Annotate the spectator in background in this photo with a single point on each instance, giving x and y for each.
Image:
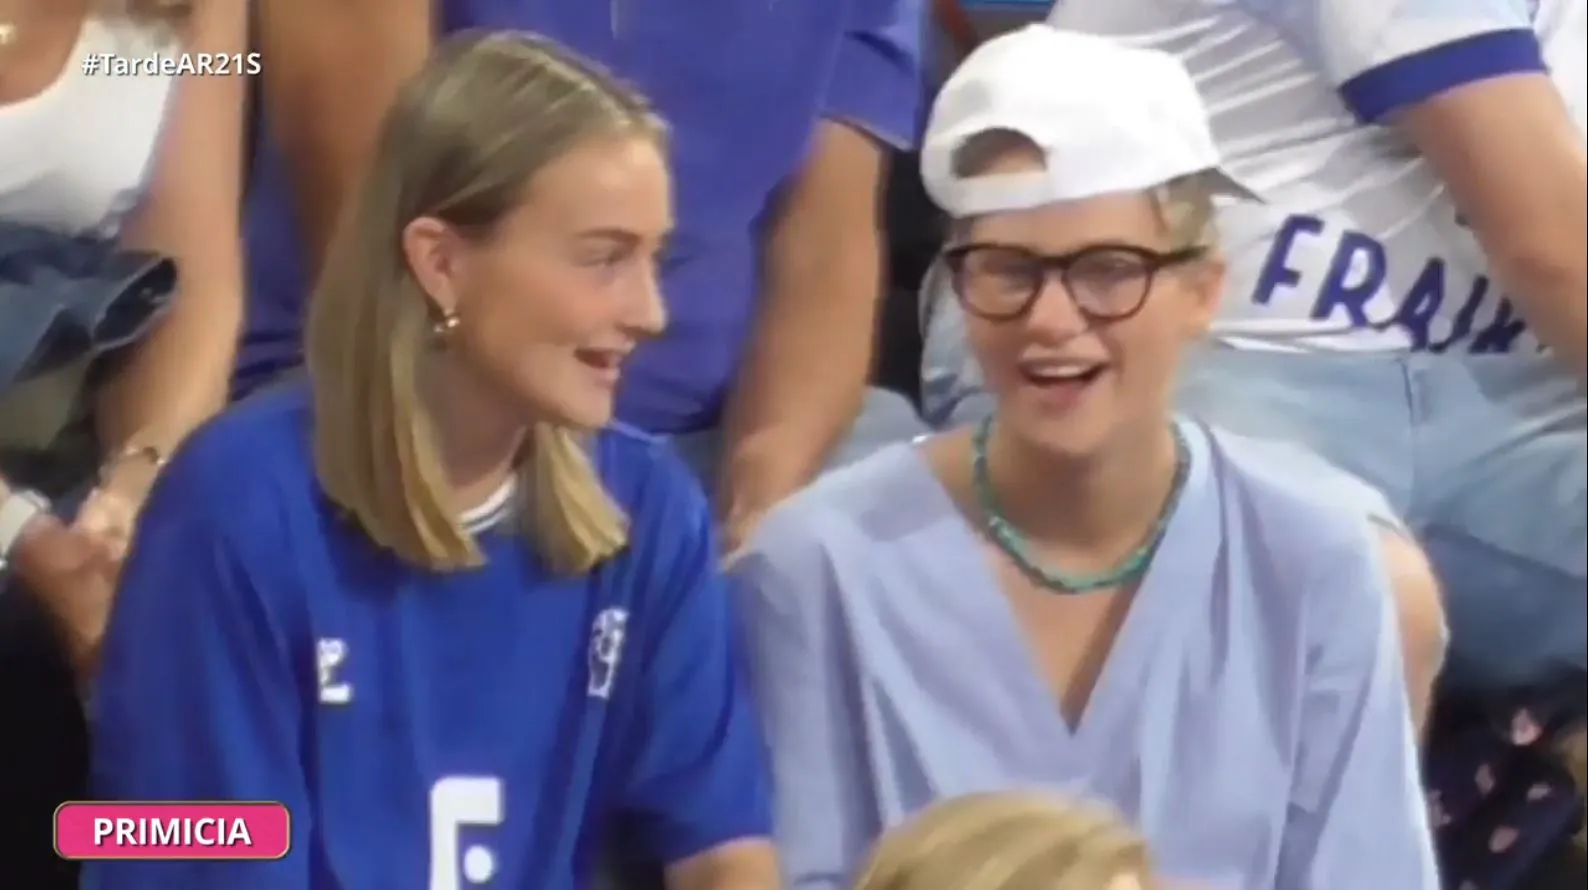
(1422, 241)
(783, 115)
(151, 161)
(1009, 842)
(1207, 631)
(493, 271)
(1410, 305)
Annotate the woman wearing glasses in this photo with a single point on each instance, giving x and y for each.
(1085, 593)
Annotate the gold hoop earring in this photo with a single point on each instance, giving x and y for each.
(443, 327)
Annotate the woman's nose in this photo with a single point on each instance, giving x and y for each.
(1054, 311)
(646, 314)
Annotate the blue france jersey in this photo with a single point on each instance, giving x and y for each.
(477, 729)
(1359, 245)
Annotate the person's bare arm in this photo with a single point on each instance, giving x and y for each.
(1420, 612)
(1466, 83)
(804, 375)
(332, 68)
(1515, 163)
(806, 368)
(180, 375)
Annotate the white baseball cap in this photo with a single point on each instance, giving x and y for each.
(1108, 118)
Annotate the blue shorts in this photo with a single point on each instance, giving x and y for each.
(1482, 456)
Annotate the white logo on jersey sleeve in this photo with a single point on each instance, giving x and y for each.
(329, 656)
(606, 650)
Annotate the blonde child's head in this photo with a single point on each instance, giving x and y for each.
(1009, 841)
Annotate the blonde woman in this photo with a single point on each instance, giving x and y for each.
(426, 599)
(784, 116)
(1212, 634)
(1008, 841)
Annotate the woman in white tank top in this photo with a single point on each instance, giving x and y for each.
(96, 139)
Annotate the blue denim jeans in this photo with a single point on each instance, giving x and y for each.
(1483, 456)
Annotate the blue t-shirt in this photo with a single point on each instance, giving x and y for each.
(743, 84)
(482, 728)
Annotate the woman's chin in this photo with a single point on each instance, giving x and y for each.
(580, 411)
(590, 414)
(1068, 438)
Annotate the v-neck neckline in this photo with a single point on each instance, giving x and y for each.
(1141, 643)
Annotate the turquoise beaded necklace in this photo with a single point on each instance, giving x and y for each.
(1013, 543)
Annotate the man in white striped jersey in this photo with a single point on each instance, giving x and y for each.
(1411, 300)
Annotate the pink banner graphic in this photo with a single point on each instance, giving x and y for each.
(172, 830)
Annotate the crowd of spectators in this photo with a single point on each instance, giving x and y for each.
(553, 444)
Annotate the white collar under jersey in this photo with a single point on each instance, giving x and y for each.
(1359, 246)
(494, 509)
(78, 156)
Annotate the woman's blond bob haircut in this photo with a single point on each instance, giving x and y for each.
(461, 144)
(1006, 841)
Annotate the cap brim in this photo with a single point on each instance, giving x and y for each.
(1222, 183)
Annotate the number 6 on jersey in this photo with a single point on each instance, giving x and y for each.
(455, 803)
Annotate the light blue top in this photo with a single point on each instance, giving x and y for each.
(1252, 718)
